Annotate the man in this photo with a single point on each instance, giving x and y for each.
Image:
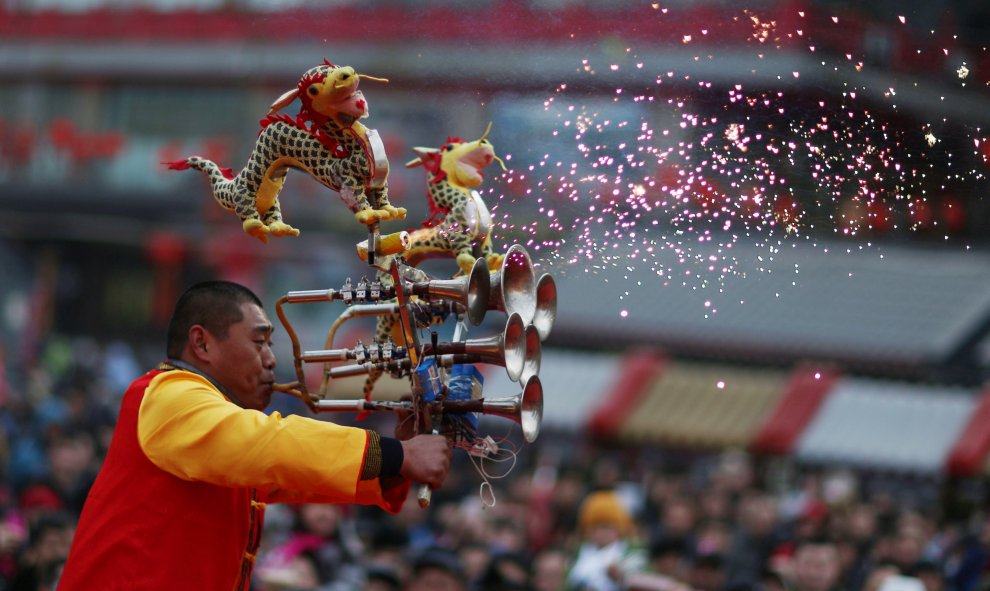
(816, 566)
(609, 550)
(179, 502)
(437, 569)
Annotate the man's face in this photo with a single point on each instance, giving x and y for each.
(244, 362)
(816, 567)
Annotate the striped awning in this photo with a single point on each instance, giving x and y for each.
(887, 425)
(688, 404)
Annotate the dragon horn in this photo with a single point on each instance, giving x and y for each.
(482, 138)
(367, 77)
(487, 131)
(283, 101)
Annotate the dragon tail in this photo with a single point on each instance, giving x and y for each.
(222, 179)
(208, 166)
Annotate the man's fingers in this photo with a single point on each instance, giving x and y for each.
(427, 459)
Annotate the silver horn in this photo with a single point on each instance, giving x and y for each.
(507, 349)
(525, 408)
(471, 291)
(546, 305)
(513, 286)
(531, 367)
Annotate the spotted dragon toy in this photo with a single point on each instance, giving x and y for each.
(464, 229)
(465, 225)
(325, 140)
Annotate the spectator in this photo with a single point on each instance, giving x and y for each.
(549, 570)
(382, 578)
(670, 557)
(475, 556)
(707, 573)
(437, 569)
(815, 566)
(48, 546)
(609, 550)
(753, 539)
(678, 520)
(507, 571)
(930, 575)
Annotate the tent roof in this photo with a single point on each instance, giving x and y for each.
(878, 424)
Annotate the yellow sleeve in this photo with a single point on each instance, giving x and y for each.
(189, 429)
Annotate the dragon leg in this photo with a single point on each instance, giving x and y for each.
(379, 201)
(230, 192)
(266, 200)
(494, 259)
(462, 244)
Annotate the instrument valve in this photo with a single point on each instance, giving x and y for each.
(361, 293)
(360, 352)
(375, 291)
(347, 292)
(388, 349)
(374, 352)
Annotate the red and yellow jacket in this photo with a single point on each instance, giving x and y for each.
(179, 502)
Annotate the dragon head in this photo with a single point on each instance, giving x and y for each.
(328, 92)
(459, 162)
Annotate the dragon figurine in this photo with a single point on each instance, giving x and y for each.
(325, 140)
(464, 230)
(460, 224)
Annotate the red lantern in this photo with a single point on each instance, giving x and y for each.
(167, 252)
(878, 217)
(952, 213)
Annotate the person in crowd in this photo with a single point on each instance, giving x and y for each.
(506, 571)
(44, 557)
(609, 550)
(549, 570)
(707, 572)
(669, 557)
(930, 575)
(179, 501)
(437, 569)
(754, 537)
(382, 578)
(816, 566)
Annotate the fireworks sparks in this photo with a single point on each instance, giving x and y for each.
(666, 176)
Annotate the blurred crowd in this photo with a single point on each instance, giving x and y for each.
(568, 514)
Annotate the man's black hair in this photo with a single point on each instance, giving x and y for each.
(214, 305)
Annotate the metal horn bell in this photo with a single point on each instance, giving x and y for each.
(531, 365)
(507, 349)
(546, 305)
(471, 291)
(525, 408)
(513, 285)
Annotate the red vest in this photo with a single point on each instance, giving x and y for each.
(143, 528)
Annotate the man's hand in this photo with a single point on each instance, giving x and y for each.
(426, 459)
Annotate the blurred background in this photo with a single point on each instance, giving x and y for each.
(767, 221)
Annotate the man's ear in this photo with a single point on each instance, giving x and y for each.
(198, 344)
